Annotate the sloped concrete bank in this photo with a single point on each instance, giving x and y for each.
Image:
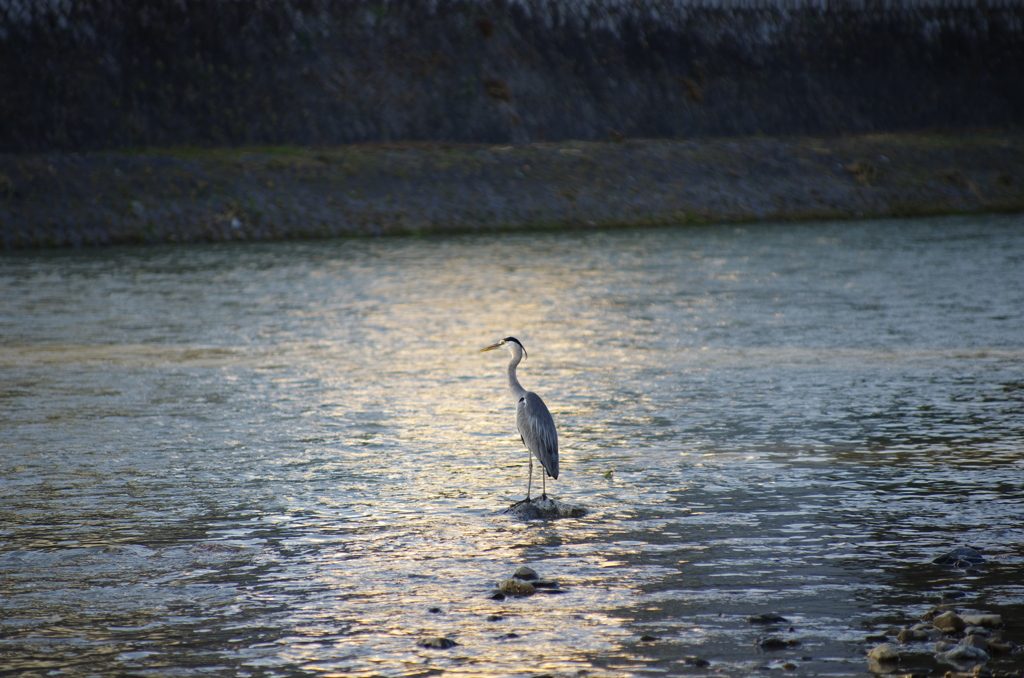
(193, 195)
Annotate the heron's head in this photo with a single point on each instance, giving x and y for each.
(507, 343)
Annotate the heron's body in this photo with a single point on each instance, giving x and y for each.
(534, 421)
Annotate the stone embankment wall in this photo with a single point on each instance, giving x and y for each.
(98, 74)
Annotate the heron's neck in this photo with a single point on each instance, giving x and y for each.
(513, 382)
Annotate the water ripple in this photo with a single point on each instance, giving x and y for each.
(284, 460)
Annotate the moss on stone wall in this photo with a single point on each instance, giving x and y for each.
(197, 195)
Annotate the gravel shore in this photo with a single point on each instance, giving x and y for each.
(207, 195)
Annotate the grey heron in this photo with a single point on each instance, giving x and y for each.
(536, 427)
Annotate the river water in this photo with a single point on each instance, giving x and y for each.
(289, 459)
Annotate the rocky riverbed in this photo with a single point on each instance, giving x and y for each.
(207, 195)
(951, 639)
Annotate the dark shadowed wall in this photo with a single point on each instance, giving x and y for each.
(104, 74)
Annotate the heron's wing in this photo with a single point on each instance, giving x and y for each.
(538, 431)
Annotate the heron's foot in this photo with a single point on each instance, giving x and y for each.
(520, 503)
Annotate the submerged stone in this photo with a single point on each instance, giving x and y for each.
(963, 556)
(544, 508)
(440, 643)
(963, 654)
(997, 647)
(767, 618)
(774, 643)
(977, 642)
(551, 591)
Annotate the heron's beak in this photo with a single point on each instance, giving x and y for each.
(491, 347)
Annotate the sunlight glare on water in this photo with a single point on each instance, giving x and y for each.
(288, 459)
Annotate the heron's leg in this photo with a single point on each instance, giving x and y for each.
(543, 486)
(529, 480)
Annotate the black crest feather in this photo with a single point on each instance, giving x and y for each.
(525, 354)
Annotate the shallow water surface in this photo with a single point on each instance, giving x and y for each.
(288, 459)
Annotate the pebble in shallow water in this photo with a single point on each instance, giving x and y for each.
(524, 582)
(882, 659)
(977, 639)
(912, 635)
(525, 573)
(988, 621)
(949, 622)
(883, 653)
(517, 588)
